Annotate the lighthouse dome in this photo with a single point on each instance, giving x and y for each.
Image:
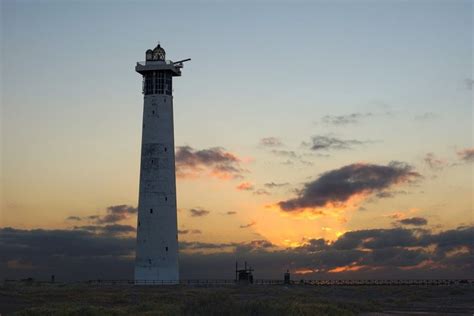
(158, 53)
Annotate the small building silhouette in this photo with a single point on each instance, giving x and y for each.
(286, 279)
(245, 275)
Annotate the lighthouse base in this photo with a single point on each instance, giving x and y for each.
(156, 276)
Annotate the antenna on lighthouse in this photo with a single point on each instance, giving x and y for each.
(179, 63)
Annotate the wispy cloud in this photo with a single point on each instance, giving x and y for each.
(248, 225)
(291, 156)
(388, 194)
(285, 153)
(261, 192)
(434, 163)
(114, 213)
(198, 212)
(327, 143)
(189, 231)
(73, 218)
(273, 185)
(110, 230)
(271, 142)
(245, 186)
(340, 120)
(415, 221)
(466, 155)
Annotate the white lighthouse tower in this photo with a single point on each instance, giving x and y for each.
(157, 232)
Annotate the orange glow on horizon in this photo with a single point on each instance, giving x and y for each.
(304, 271)
(348, 268)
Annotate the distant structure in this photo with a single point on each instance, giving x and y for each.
(286, 277)
(157, 229)
(243, 276)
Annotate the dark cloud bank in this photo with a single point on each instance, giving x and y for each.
(81, 254)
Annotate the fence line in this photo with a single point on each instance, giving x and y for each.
(295, 282)
(230, 282)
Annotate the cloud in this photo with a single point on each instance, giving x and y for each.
(245, 186)
(114, 229)
(314, 245)
(373, 253)
(273, 185)
(433, 162)
(454, 238)
(387, 194)
(231, 213)
(467, 155)
(237, 247)
(58, 242)
(291, 156)
(285, 153)
(69, 254)
(415, 221)
(377, 239)
(332, 143)
(189, 231)
(270, 142)
(197, 212)
(73, 218)
(261, 192)
(116, 213)
(400, 214)
(337, 186)
(254, 246)
(340, 120)
(248, 225)
(214, 162)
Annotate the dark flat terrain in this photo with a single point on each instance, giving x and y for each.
(81, 299)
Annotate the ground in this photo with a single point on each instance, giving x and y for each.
(83, 299)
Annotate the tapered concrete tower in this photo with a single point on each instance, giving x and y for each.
(157, 231)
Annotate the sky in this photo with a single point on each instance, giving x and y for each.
(332, 138)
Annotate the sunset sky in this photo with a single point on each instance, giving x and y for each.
(328, 137)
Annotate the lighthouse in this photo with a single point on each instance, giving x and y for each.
(156, 258)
